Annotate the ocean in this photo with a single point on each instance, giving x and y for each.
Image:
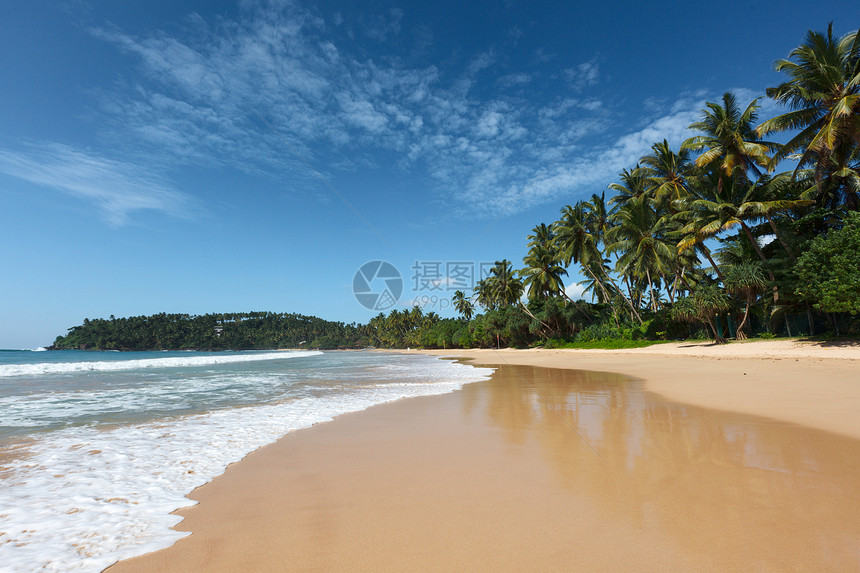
(98, 448)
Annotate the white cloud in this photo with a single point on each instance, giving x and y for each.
(575, 291)
(116, 188)
(583, 75)
(247, 93)
(511, 80)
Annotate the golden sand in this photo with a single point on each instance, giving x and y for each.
(555, 470)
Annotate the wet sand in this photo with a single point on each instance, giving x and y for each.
(539, 469)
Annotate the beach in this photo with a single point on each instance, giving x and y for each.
(682, 457)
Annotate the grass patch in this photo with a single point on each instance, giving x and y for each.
(606, 344)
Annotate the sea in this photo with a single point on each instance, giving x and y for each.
(98, 448)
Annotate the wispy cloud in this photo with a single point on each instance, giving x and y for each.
(583, 75)
(200, 99)
(116, 188)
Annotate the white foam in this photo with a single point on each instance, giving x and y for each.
(85, 498)
(41, 368)
(46, 408)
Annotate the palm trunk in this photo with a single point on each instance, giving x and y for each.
(605, 292)
(740, 334)
(669, 291)
(528, 312)
(629, 301)
(763, 259)
(717, 338)
(707, 253)
(809, 320)
(683, 279)
(576, 306)
(651, 290)
(778, 236)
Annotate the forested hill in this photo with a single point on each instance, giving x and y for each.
(209, 332)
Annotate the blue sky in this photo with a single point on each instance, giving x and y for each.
(222, 157)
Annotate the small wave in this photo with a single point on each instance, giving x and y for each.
(85, 497)
(136, 364)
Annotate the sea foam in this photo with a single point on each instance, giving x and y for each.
(86, 497)
(40, 368)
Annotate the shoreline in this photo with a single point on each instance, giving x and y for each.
(460, 479)
(820, 389)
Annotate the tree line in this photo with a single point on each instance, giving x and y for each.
(234, 331)
(709, 239)
(711, 233)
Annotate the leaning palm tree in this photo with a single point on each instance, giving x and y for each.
(728, 143)
(772, 196)
(839, 185)
(823, 92)
(713, 213)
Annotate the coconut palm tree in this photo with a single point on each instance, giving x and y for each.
(576, 242)
(667, 172)
(506, 288)
(639, 235)
(823, 92)
(713, 212)
(728, 143)
(541, 235)
(632, 184)
(463, 304)
(542, 273)
(484, 293)
(771, 196)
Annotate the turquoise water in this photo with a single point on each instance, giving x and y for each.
(97, 448)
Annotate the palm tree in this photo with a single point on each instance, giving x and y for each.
(506, 288)
(542, 235)
(745, 279)
(839, 184)
(667, 172)
(484, 293)
(633, 184)
(463, 304)
(713, 213)
(731, 145)
(771, 196)
(576, 242)
(639, 235)
(542, 273)
(705, 302)
(823, 93)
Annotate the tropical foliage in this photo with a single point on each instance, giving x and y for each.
(707, 239)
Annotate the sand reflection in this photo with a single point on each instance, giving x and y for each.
(746, 490)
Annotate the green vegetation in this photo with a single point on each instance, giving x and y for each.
(787, 259)
(829, 272)
(237, 331)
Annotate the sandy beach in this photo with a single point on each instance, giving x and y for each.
(675, 457)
